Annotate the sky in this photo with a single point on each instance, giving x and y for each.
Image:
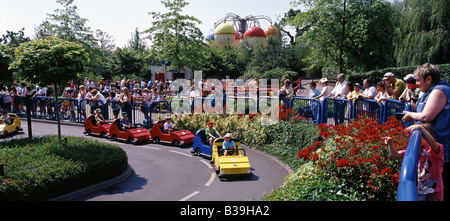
(120, 18)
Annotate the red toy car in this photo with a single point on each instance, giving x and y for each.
(90, 127)
(133, 135)
(177, 138)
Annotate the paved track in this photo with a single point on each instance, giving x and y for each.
(166, 173)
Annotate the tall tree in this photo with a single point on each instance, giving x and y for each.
(176, 37)
(340, 31)
(426, 32)
(66, 24)
(136, 43)
(50, 61)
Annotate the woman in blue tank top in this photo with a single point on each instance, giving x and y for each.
(434, 107)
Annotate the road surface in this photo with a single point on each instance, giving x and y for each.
(166, 173)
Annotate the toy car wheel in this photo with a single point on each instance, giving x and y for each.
(176, 143)
(17, 129)
(102, 134)
(89, 132)
(130, 140)
(156, 140)
(114, 137)
(5, 133)
(197, 152)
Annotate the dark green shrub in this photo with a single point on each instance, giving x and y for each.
(376, 75)
(44, 168)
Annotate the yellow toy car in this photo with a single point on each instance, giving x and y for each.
(14, 127)
(230, 165)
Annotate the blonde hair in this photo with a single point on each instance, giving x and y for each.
(429, 70)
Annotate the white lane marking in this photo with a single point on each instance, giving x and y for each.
(190, 196)
(173, 151)
(207, 164)
(152, 148)
(213, 176)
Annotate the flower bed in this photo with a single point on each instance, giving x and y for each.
(353, 158)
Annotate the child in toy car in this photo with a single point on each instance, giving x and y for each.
(228, 145)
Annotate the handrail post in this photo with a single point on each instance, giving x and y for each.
(407, 189)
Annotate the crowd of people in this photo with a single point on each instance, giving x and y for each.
(89, 92)
(429, 97)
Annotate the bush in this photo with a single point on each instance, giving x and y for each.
(376, 75)
(282, 140)
(44, 168)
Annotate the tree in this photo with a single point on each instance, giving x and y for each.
(346, 34)
(425, 32)
(66, 24)
(176, 37)
(50, 61)
(14, 39)
(136, 43)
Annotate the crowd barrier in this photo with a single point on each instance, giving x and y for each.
(407, 189)
(329, 111)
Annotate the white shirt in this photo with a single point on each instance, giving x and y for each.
(340, 88)
(168, 126)
(371, 91)
(194, 93)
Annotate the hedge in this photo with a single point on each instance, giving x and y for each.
(376, 75)
(43, 168)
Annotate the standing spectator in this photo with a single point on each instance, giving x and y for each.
(90, 83)
(394, 86)
(126, 99)
(159, 86)
(412, 91)
(434, 107)
(286, 93)
(370, 91)
(314, 92)
(89, 96)
(325, 90)
(355, 93)
(382, 95)
(107, 88)
(340, 90)
(167, 87)
(114, 101)
(81, 100)
(98, 98)
(7, 100)
(42, 92)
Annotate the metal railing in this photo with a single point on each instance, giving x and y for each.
(407, 189)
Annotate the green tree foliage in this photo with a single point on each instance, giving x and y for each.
(346, 34)
(66, 24)
(175, 37)
(425, 32)
(50, 61)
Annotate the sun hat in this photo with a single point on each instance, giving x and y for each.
(410, 79)
(228, 135)
(323, 80)
(210, 123)
(389, 74)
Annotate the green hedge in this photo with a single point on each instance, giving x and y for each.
(376, 75)
(44, 168)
